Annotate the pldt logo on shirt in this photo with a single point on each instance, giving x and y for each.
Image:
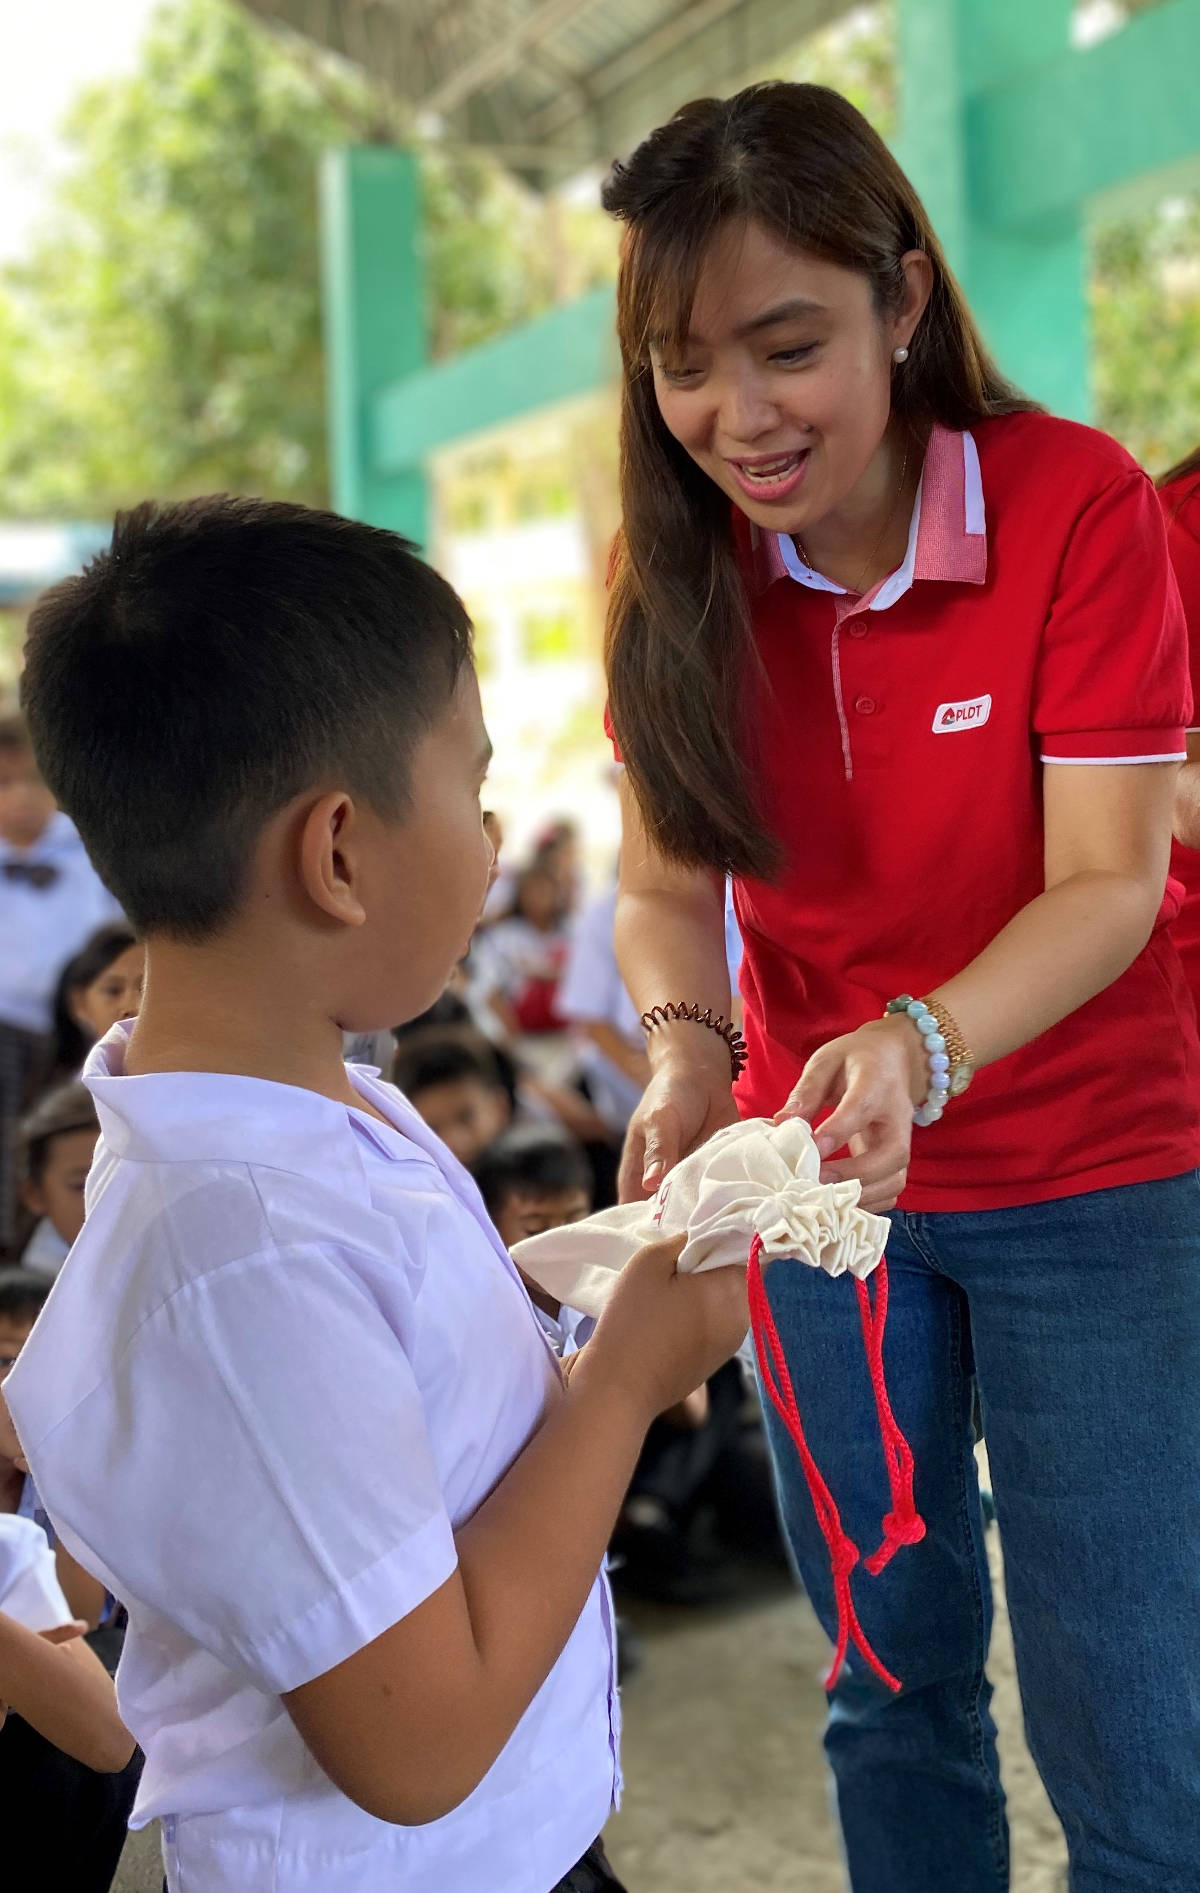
(969, 715)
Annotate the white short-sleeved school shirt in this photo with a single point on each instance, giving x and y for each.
(30, 1592)
(287, 1357)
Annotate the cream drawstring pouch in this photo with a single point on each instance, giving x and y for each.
(751, 1179)
(749, 1195)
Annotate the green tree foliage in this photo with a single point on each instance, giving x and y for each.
(164, 336)
(856, 55)
(1145, 309)
(1146, 330)
(166, 325)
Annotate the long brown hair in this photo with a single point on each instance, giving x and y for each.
(800, 161)
(1189, 464)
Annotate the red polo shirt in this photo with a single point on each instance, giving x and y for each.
(1181, 510)
(903, 737)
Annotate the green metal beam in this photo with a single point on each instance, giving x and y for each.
(571, 351)
(374, 324)
(1027, 287)
(1084, 123)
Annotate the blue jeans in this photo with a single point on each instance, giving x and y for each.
(1081, 1320)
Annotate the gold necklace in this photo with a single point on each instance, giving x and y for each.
(886, 528)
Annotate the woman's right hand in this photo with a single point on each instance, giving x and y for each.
(688, 1098)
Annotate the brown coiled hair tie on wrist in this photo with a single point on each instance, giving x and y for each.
(723, 1027)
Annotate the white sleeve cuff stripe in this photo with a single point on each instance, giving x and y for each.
(1093, 762)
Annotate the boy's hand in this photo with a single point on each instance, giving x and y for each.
(662, 1333)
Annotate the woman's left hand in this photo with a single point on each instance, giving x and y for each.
(869, 1081)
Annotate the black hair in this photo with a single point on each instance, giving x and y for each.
(534, 1159)
(68, 1108)
(447, 1009)
(23, 1293)
(443, 1056)
(450, 1010)
(221, 657)
(70, 1044)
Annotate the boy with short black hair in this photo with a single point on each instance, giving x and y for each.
(290, 1399)
(451, 1075)
(533, 1178)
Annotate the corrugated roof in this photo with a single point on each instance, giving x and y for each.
(553, 85)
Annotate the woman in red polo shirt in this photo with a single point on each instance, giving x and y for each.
(902, 654)
(1179, 493)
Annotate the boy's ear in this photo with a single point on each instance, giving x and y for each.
(329, 858)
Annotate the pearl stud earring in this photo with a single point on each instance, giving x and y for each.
(899, 354)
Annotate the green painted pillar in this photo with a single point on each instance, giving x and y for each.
(1026, 283)
(375, 325)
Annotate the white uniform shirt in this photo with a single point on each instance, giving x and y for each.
(45, 1252)
(43, 927)
(30, 1592)
(288, 1357)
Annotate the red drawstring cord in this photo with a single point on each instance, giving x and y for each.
(903, 1525)
(843, 1553)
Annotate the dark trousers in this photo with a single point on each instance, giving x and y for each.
(75, 1820)
(592, 1874)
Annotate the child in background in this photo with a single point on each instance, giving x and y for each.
(67, 1761)
(533, 1178)
(468, 1090)
(51, 899)
(290, 1397)
(451, 1077)
(68, 1698)
(517, 964)
(54, 1154)
(22, 1298)
(557, 850)
(64, 1723)
(99, 985)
